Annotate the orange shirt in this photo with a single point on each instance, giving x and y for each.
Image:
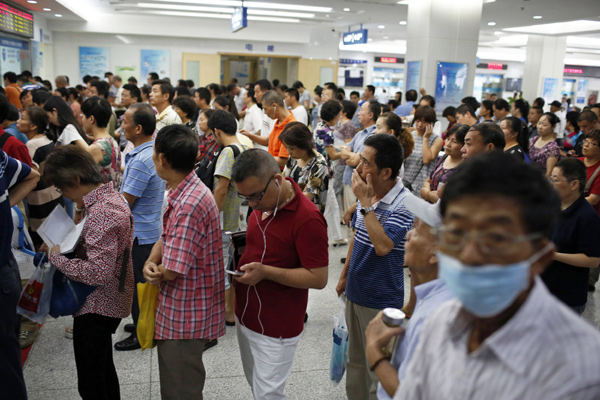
(13, 91)
(276, 147)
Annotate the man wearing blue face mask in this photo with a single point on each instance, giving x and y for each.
(505, 336)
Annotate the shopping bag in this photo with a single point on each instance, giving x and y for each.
(34, 302)
(147, 296)
(339, 350)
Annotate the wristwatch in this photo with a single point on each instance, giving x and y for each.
(365, 211)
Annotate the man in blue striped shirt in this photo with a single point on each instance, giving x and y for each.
(372, 277)
(144, 191)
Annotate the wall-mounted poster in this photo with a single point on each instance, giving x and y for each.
(582, 85)
(450, 84)
(413, 75)
(550, 90)
(15, 55)
(93, 61)
(158, 61)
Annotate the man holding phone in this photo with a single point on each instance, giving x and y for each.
(286, 254)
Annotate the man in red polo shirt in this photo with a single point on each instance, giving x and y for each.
(274, 107)
(286, 254)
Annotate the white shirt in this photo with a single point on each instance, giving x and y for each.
(253, 119)
(239, 99)
(167, 117)
(68, 135)
(561, 126)
(266, 128)
(300, 114)
(545, 351)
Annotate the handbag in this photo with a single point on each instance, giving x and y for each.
(68, 295)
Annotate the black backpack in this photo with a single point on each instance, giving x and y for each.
(205, 169)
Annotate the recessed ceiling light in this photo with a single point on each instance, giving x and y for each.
(46, 9)
(346, 9)
(402, 22)
(327, 16)
(491, 23)
(537, 17)
(32, 1)
(58, 15)
(370, 39)
(381, 26)
(386, 37)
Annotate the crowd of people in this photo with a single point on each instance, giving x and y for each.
(496, 215)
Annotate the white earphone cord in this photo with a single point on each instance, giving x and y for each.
(261, 261)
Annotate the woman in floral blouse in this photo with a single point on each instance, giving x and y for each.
(305, 166)
(97, 261)
(543, 149)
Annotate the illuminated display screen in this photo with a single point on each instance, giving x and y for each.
(15, 21)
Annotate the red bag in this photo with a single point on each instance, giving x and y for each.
(31, 296)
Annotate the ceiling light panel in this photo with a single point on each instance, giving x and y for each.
(228, 10)
(559, 28)
(219, 16)
(254, 4)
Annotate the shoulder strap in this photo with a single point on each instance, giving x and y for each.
(3, 138)
(236, 150)
(588, 184)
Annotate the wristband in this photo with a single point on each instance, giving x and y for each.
(376, 364)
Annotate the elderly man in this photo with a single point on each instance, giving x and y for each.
(372, 276)
(286, 254)
(504, 336)
(430, 294)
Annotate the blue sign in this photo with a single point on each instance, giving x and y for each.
(270, 48)
(239, 19)
(352, 61)
(356, 37)
(450, 83)
(15, 44)
(413, 75)
(249, 47)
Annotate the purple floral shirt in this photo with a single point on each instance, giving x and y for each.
(539, 156)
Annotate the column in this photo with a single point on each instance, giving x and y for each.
(545, 59)
(443, 31)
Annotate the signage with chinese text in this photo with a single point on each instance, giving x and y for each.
(239, 19)
(16, 21)
(356, 37)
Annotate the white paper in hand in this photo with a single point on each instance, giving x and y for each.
(59, 229)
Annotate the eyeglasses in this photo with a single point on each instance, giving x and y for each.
(589, 143)
(256, 197)
(490, 242)
(553, 180)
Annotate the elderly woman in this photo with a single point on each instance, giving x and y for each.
(97, 261)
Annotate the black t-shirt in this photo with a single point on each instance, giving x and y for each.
(516, 151)
(577, 231)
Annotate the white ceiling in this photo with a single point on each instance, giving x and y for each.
(370, 13)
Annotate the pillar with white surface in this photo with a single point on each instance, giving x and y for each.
(443, 31)
(545, 60)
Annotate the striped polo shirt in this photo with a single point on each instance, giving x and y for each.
(378, 281)
(544, 351)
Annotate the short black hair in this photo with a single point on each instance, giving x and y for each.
(393, 103)
(224, 121)
(348, 108)
(23, 94)
(134, 91)
(330, 110)
(574, 170)
(132, 80)
(182, 91)
(488, 104)
(143, 115)
(354, 93)
(293, 93)
(374, 108)
(102, 88)
(264, 84)
(12, 114)
(275, 82)
(371, 88)
(254, 162)
(425, 113)
(179, 145)
(498, 174)
(518, 126)
(573, 118)
(502, 104)
(4, 105)
(588, 116)
(297, 85)
(86, 79)
(165, 88)
(450, 110)
(411, 95)
(490, 133)
(10, 76)
(250, 93)
(215, 87)
(331, 86)
(64, 92)
(430, 99)
(186, 104)
(471, 102)
(537, 109)
(539, 102)
(463, 109)
(388, 153)
(153, 76)
(298, 135)
(203, 94)
(99, 108)
(189, 83)
(40, 96)
(318, 90)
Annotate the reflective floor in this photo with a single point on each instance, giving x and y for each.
(50, 369)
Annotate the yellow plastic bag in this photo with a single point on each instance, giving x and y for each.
(147, 295)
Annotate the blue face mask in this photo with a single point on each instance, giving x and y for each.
(486, 291)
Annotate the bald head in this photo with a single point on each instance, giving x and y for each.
(272, 97)
(61, 81)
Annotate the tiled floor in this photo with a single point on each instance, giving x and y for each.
(50, 369)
